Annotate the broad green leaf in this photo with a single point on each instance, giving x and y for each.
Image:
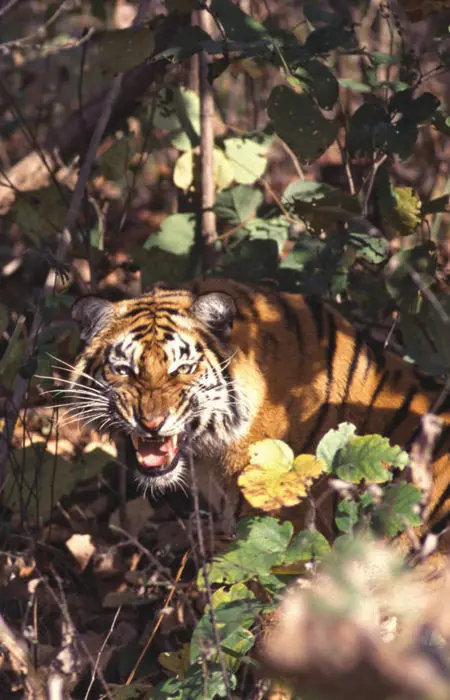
(135, 691)
(326, 39)
(234, 612)
(319, 81)
(300, 123)
(187, 170)
(368, 247)
(37, 479)
(171, 689)
(347, 515)
(427, 335)
(306, 545)
(186, 42)
(367, 129)
(252, 259)
(355, 85)
(311, 200)
(122, 49)
(260, 544)
(177, 235)
(401, 138)
(41, 212)
(434, 206)
(333, 441)
(238, 203)
(177, 112)
(248, 156)
(399, 509)
(206, 686)
(238, 26)
(417, 110)
(368, 457)
(401, 269)
(275, 229)
(114, 162)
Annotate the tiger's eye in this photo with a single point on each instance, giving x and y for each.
(184, 369)
(122, 370)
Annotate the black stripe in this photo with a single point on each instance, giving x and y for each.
(443, 521)
(358, 342)
(292, 319)
(316, 308)
(402, 413)
(378, 388)
(331, 351)
(377, 351)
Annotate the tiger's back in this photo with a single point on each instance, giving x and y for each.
(288, 367)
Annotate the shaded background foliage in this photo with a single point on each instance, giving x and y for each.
(331, 174)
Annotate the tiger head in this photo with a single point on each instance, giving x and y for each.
(158, 368)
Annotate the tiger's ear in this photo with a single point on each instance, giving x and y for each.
(92, 314)
(217, 310)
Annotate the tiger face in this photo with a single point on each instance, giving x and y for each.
(158, 369)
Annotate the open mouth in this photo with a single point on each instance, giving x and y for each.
(156, 456)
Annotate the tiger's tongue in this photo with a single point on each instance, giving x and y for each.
(154, 454)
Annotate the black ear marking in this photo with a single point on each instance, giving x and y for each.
(217, 310)
(92, 314)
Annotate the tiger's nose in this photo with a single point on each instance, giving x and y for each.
(154, 424)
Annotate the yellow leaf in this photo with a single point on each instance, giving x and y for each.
(271, 454)
(309, 467)
(176, 661)
(273, 479)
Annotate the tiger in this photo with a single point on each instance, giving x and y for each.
(196, 375)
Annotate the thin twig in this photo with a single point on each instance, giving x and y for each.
(371, 181)
(102, 649)
(208, 187)
(160, 618)
(201, 546)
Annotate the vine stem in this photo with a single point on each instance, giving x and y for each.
(208, 187)
(20, 384)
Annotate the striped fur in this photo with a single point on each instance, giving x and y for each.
(291, 368)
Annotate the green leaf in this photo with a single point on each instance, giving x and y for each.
(252, 259)
(309, 200)
(177, 112)
(441, 122)
(41, 212)
(238, 203)
(319, 81)
(206, 686)
(238, 26)
(177, 235)
(135, 691)
(371, 248)
(367, 129)
(333, 441)
(355, 85)
(417, 110)
(434, 206)
(399, 509)
(300, 123)
(248, 156)
(347, 516)
(234, 613)
(261, 543)
(366, 457)
(427, 335)
(403, 267)
(171, 689)
(326, 39)
(187, 42)
(122, 49)
(401, 138)
(306, 545)
(38, 479)
(275, 229)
